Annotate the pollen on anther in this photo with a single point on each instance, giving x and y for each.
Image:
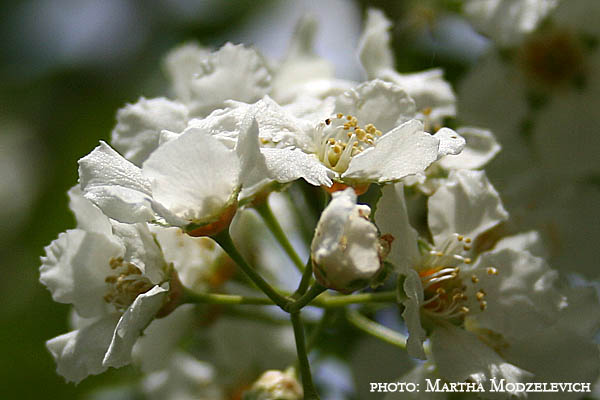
(467, 248)
(492, 271)
(467, 261)
(468, 240)
(340, 115)
(460, 238)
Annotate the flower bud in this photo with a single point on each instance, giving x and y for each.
(346, 249)
(275, 385)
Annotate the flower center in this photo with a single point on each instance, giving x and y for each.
(127, 283)
(340, 138)
(552, 57)
(443, 281)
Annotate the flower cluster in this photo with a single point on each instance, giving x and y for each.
(175, 207)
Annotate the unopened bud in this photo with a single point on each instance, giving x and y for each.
(346, 249)
(275, 385)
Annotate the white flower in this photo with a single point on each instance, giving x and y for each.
(138, 128)
(191, 181)
(346, 250)
(204, 81)
(433, 96)
(507, 21)
(483, 312)
(117, 280)
(365, 135)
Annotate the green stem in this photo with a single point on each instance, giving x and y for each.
(224, 240)
(272, 223)
(306, 278)
(306, 298)
(373, 328)
(318, 330)
(341, 301)
(227, 299)
(310, 393)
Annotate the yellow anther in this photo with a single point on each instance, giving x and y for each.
(427, 111)
(360, 134)
(370, 128)
(337, 149)
(350, 134)
(346, 127)
(468, 240)
(439, 254)
(474, 279)
(264, 141)
(492, 271)
(331, 141)
(349, 117)
(340, 115)
(464, 309)
(480, 295)
(467, 248)
(378, 133)
(468, 261)
(460, 238)
(483, 305)
(370, 137)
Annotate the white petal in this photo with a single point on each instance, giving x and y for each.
(380, 103)
(279, 126)
(115, 185)
(401, 152)
(521, 298)
(301, 66)
(75, 267)
(507, 22)
(141, 250)
(254, 172)
(556, 355)
(89, 217)
(374, 46)
(234, 72)
(80, 353)
(481, 146)
(160, 340)
(391, 217)
(530, 241)
(182, 64)
(136, 134)
(287, 165)
(132, 324)
(193, 176)
(412, 314)
(428, 89)
(466, 204)
(193, 257)
(451, 143)
(460, 355)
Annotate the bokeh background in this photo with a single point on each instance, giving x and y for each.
(68, 65)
